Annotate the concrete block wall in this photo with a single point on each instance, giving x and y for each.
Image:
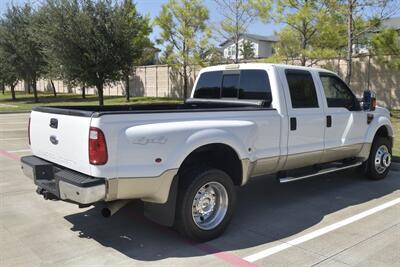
(164, 81)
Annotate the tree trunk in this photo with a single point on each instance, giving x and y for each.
(349, 57)
(53, 87)
(83, 92)
(303, 59)
(12, 87)
(237, 50)
(127, 88)
(100, 91)
(185, 74)
(237, 32)
(3, 87)
(35, 95)
(29, 86)
(185, 81)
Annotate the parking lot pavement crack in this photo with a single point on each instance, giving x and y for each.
(354, 245)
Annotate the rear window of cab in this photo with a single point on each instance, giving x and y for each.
(243, 84)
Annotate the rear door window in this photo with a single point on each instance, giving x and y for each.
(302, 89)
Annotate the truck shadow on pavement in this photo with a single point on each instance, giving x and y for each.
(266, 212)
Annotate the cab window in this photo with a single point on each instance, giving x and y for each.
(230, 83)
(254, 84)
(209, 85)
(244, 84)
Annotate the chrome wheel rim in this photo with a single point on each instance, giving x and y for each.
(210, 205)
(383, 159)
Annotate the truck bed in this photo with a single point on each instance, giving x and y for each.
(188, 106)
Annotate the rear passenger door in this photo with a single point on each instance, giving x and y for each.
(306, 119)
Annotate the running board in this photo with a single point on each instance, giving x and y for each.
(320, 172)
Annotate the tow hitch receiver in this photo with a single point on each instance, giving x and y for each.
(46, 194)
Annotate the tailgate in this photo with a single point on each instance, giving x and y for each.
(61, 139)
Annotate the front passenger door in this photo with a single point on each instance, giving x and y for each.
(344, 135)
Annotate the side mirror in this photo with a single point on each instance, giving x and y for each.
(369, 100)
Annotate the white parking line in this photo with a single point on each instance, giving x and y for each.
(317, 233)
(21, 150)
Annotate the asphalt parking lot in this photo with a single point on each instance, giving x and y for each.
(338, 219)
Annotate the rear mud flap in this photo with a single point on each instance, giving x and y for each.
(163, 214)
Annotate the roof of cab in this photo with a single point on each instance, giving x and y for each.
(260, 65)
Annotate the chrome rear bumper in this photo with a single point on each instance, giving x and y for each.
(62, 183)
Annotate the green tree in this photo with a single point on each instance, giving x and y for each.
(20, 45)
(311, 32)
(184, 32)
(288, 47)
(247, 50)
(386, 45)
(8, 74)
(94, 43)
(210, 55)
(135, 43)
(307, 23)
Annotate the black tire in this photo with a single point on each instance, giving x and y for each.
(369, 166)
(190, 182)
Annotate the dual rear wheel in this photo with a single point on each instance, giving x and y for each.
(205, 205)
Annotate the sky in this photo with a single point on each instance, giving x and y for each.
(153, 7)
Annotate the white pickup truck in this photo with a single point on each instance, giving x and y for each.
(184, 160)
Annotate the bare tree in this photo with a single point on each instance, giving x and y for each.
(362, 16)
(236, 18)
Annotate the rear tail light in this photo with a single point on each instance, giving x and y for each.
(97, 147)
(29, 131)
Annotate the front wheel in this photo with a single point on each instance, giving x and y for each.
(206, 202)
(379, 161)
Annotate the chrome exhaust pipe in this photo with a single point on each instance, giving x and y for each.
(113, 207)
